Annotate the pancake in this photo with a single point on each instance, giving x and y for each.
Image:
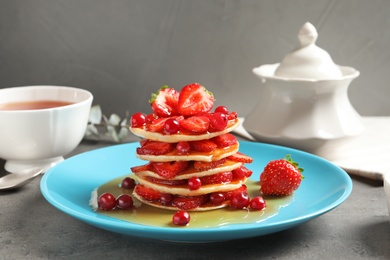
(174, 138)
(217, 154)
(183, 190)
(192, 172)
(206, 207)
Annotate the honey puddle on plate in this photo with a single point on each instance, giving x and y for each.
(150, 216)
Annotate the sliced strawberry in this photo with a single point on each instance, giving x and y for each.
(240, 157)
(157, 125)
(169, 170)
(219, 178)
(225, 140)
(141, 168)
(203, 146)
(229, 193)
(194, 99)
(195, 124)
(164, 102)
(204, 166)
(167, 182)
(147, 193)
(187, 203)
(155, 148)
(241, 172)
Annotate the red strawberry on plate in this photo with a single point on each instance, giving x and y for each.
(195, 124)
(280, 177)
(169, 170)
(164, 102)
(194, 99)
(141, 168)
(147, 193)
(187, 203)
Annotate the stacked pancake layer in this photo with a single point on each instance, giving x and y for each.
(213, 160)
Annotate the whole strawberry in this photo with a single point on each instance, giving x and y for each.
(280, 177)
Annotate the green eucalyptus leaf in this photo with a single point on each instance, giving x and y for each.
(95, 114)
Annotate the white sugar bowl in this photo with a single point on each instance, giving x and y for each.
(303, 102)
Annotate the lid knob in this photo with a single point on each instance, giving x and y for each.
(308, 61)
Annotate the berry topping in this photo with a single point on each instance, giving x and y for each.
(218, 121)
(239, 200)
(141, 168)
(166, 182)
(164, 102)
(219, 178)
(124, 201)
(181, 218)
(194, 99)
(257, 203)
(169, 170)
(187, 203)
(147, 193)
(221, 109)
(203, 146)
(155, 148)
(194, 183)
(240, 157)
(171, 126)
(204, 166)
(228, 194)
(183, 148)
(280, 177)
(128, 183)
(225, 140)
(138, 120)
(217, 198)
(241, 172)
(106, 201)
(195, 124)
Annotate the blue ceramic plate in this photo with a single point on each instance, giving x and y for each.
(68, 186)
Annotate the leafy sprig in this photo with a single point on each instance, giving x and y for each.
(112, 128)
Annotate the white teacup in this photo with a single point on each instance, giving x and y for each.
(40, 137)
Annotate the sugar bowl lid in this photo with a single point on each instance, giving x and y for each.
(308, 61)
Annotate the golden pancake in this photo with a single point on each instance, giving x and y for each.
(216, 154)
(192, 172)
(205, 207)
(174, 138)
(183, 190)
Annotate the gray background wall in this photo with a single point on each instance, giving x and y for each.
(122, 50)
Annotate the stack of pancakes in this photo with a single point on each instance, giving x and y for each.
(203, 165)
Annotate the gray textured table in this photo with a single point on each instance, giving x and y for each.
(30, 228)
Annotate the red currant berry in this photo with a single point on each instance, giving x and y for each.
(194, 183)
(106, 201)
(138, 120)
(217, 198)
(257, 203)
(181, 218)
(166, 199)
(124, 201)
(218, 121)
(149, 118)
(171, 126)
(222, 109)
(183, 147)
(128, 183)
(239, 200)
